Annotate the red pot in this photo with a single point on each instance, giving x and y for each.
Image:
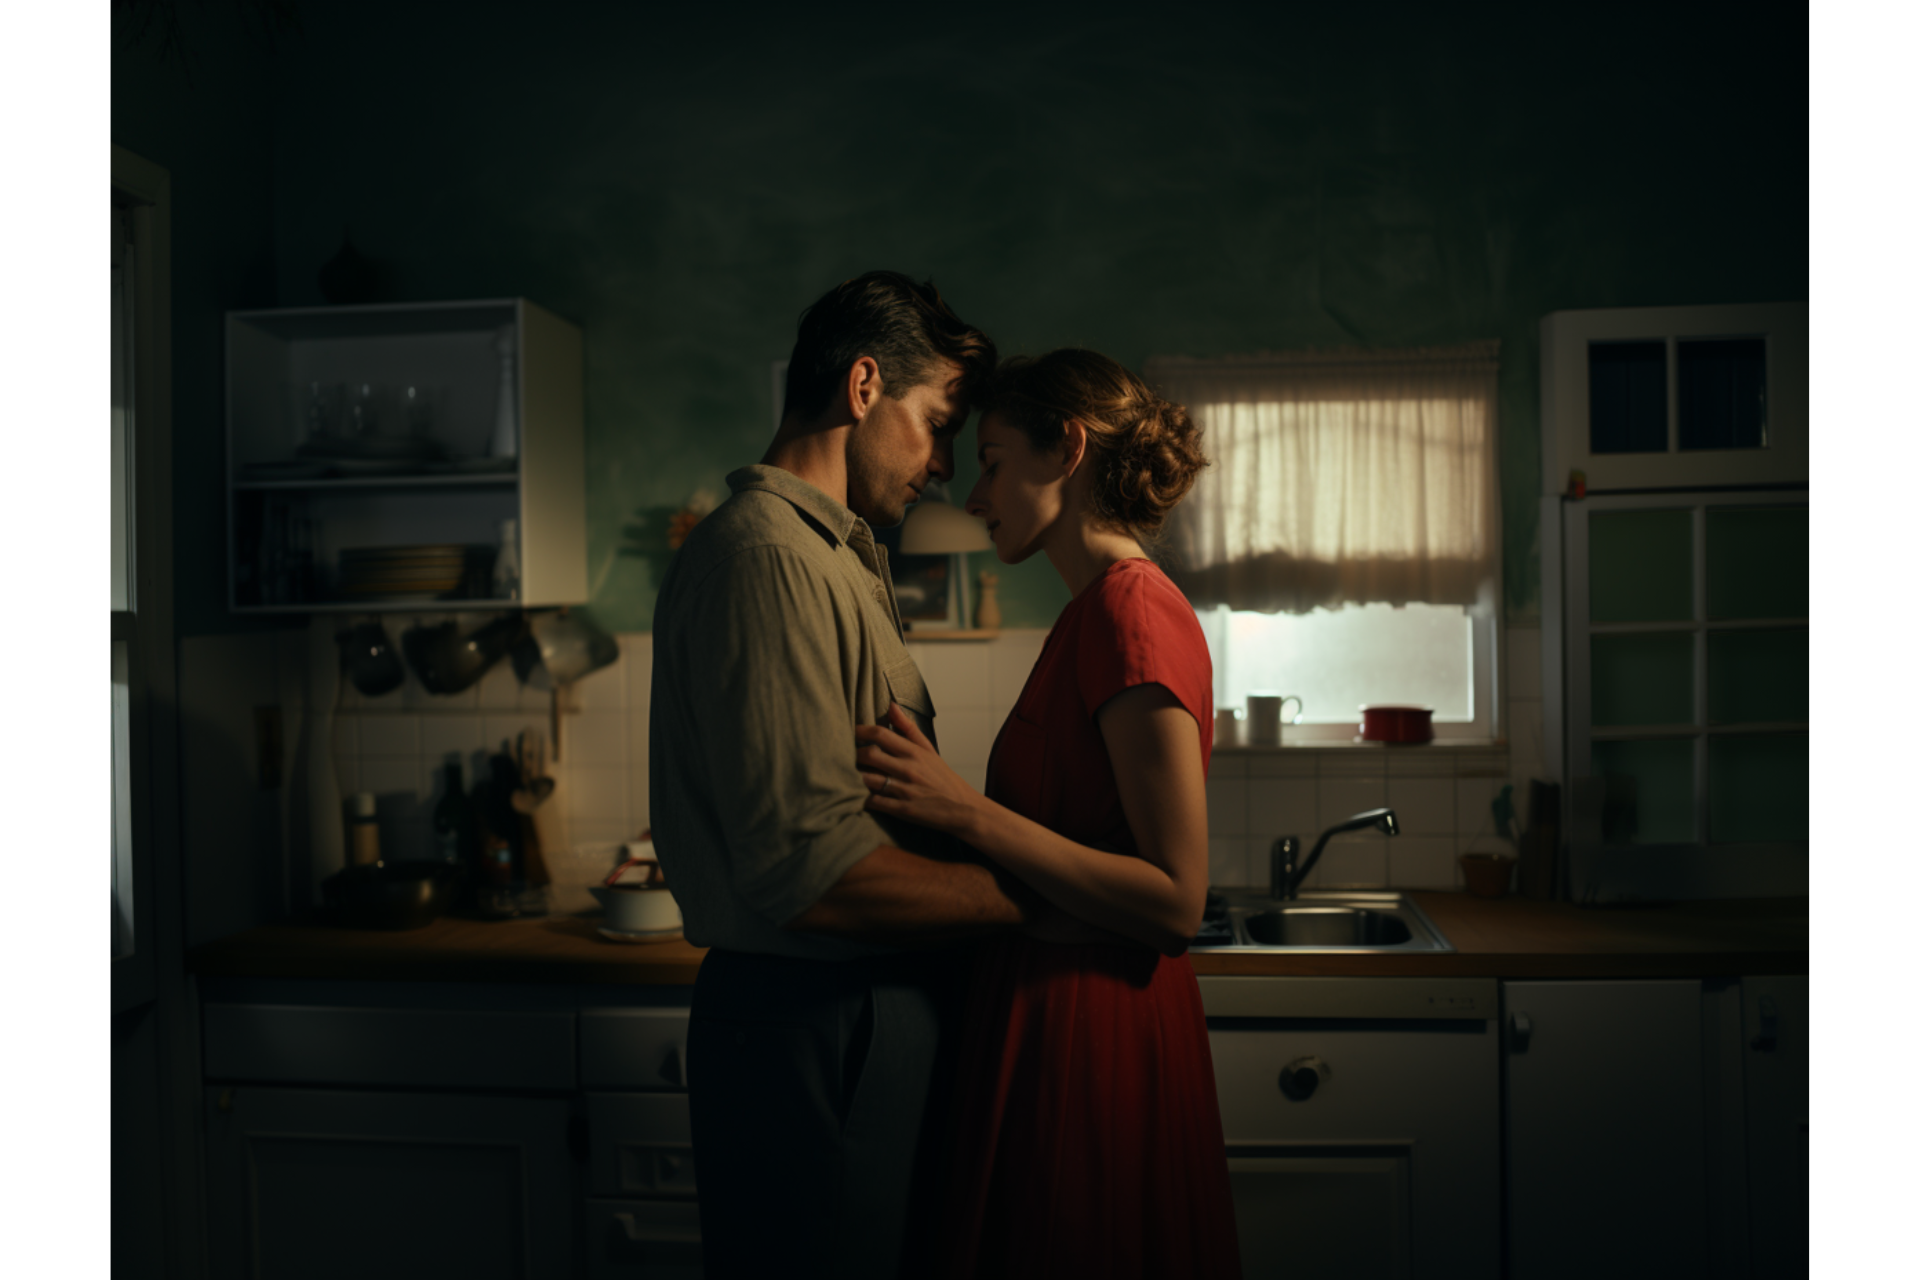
(1396, 724)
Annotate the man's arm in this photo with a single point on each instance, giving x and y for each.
(901, 899)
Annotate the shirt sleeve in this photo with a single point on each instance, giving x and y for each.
(778, 743)
(1138, 629)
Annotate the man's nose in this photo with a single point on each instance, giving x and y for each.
(942, 464)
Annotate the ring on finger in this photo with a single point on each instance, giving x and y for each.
(884, 784)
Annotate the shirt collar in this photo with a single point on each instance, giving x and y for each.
(835, 517)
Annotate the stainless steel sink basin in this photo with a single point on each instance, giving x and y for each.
(1338, 922)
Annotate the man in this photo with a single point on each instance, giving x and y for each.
(815, 1048)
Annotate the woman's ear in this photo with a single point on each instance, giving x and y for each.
(1073, 445)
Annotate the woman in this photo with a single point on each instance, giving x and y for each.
(1087, 1130)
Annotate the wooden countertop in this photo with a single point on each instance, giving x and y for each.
(1505, 938)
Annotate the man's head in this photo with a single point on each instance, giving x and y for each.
(883, 333)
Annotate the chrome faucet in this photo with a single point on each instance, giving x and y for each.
(1283, 877)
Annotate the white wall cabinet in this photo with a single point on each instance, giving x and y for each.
(292, 512)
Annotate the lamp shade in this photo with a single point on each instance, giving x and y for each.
(936, 528)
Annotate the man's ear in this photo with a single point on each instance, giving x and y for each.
(862, 386)
(1073, 445)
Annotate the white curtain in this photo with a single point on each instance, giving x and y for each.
(1343, 477)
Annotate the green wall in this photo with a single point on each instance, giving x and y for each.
(1161, 182)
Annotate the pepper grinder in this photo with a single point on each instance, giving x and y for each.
(505, 443)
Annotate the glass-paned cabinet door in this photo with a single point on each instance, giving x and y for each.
(1674, 398)
(1687, 669)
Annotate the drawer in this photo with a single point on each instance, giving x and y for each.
(425, 1048)
(1387, 1083)
(641, 1144)
(633, 1049)
(643, 1240)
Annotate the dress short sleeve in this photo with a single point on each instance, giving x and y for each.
(1138, 628)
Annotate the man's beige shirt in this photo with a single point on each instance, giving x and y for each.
(775, 633)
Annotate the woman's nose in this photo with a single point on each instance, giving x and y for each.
(975, 506)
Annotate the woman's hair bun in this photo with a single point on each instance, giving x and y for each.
(1145, 449)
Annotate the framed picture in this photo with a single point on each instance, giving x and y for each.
(927, 588)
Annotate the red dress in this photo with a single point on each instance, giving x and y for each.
(1087, 1137)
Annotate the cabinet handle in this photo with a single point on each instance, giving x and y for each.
(1522, 1032)
(1301, 1077)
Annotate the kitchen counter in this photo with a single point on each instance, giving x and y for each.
(1504, 938)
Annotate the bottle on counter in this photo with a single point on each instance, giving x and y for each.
(452, 818)
(363, 832)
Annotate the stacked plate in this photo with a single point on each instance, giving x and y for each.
(430, 570)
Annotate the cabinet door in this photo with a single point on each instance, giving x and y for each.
(1606, 1162)
(1361, 1149)
(1774, 1019)
(332, 1183)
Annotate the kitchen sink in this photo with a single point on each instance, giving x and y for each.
(1243, 920)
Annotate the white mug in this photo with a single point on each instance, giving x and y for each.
(1226, 727)
(1263, 717)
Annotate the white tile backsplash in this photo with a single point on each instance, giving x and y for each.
(1424, 806)
(444, 735)
(1226, 860)
(1415, 862)
(1226, 807)
(1283, 807)
(594, 793)
(390, 736)
(1442, 796)
(1282, 764)
(604, 690)
(1357, 862)
(501, 732)
(1343, 797)
(393, 779)
(597, 738)
(1523, 662)
(1473, 798)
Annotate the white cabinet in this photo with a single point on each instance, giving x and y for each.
(1360, 1117)
(325, 1183)
(403, 475)
(447, 1129)
(1774, 1062)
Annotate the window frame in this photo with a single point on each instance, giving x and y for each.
(141, 636)
(1565, 443)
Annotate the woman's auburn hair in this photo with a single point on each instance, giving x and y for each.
(1145, 450)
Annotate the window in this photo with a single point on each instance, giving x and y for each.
(1343, 547)
(140, 681)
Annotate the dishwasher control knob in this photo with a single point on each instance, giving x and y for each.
(1299, 1078)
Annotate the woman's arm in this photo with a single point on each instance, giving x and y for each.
(1154, 744)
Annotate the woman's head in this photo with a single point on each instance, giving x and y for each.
(1075, 428)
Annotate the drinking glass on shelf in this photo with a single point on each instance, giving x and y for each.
(418, 405)
(323, 408)
(363, 412)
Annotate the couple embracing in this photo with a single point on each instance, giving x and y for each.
(940, 1033)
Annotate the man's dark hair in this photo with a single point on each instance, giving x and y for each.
(904, 326)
